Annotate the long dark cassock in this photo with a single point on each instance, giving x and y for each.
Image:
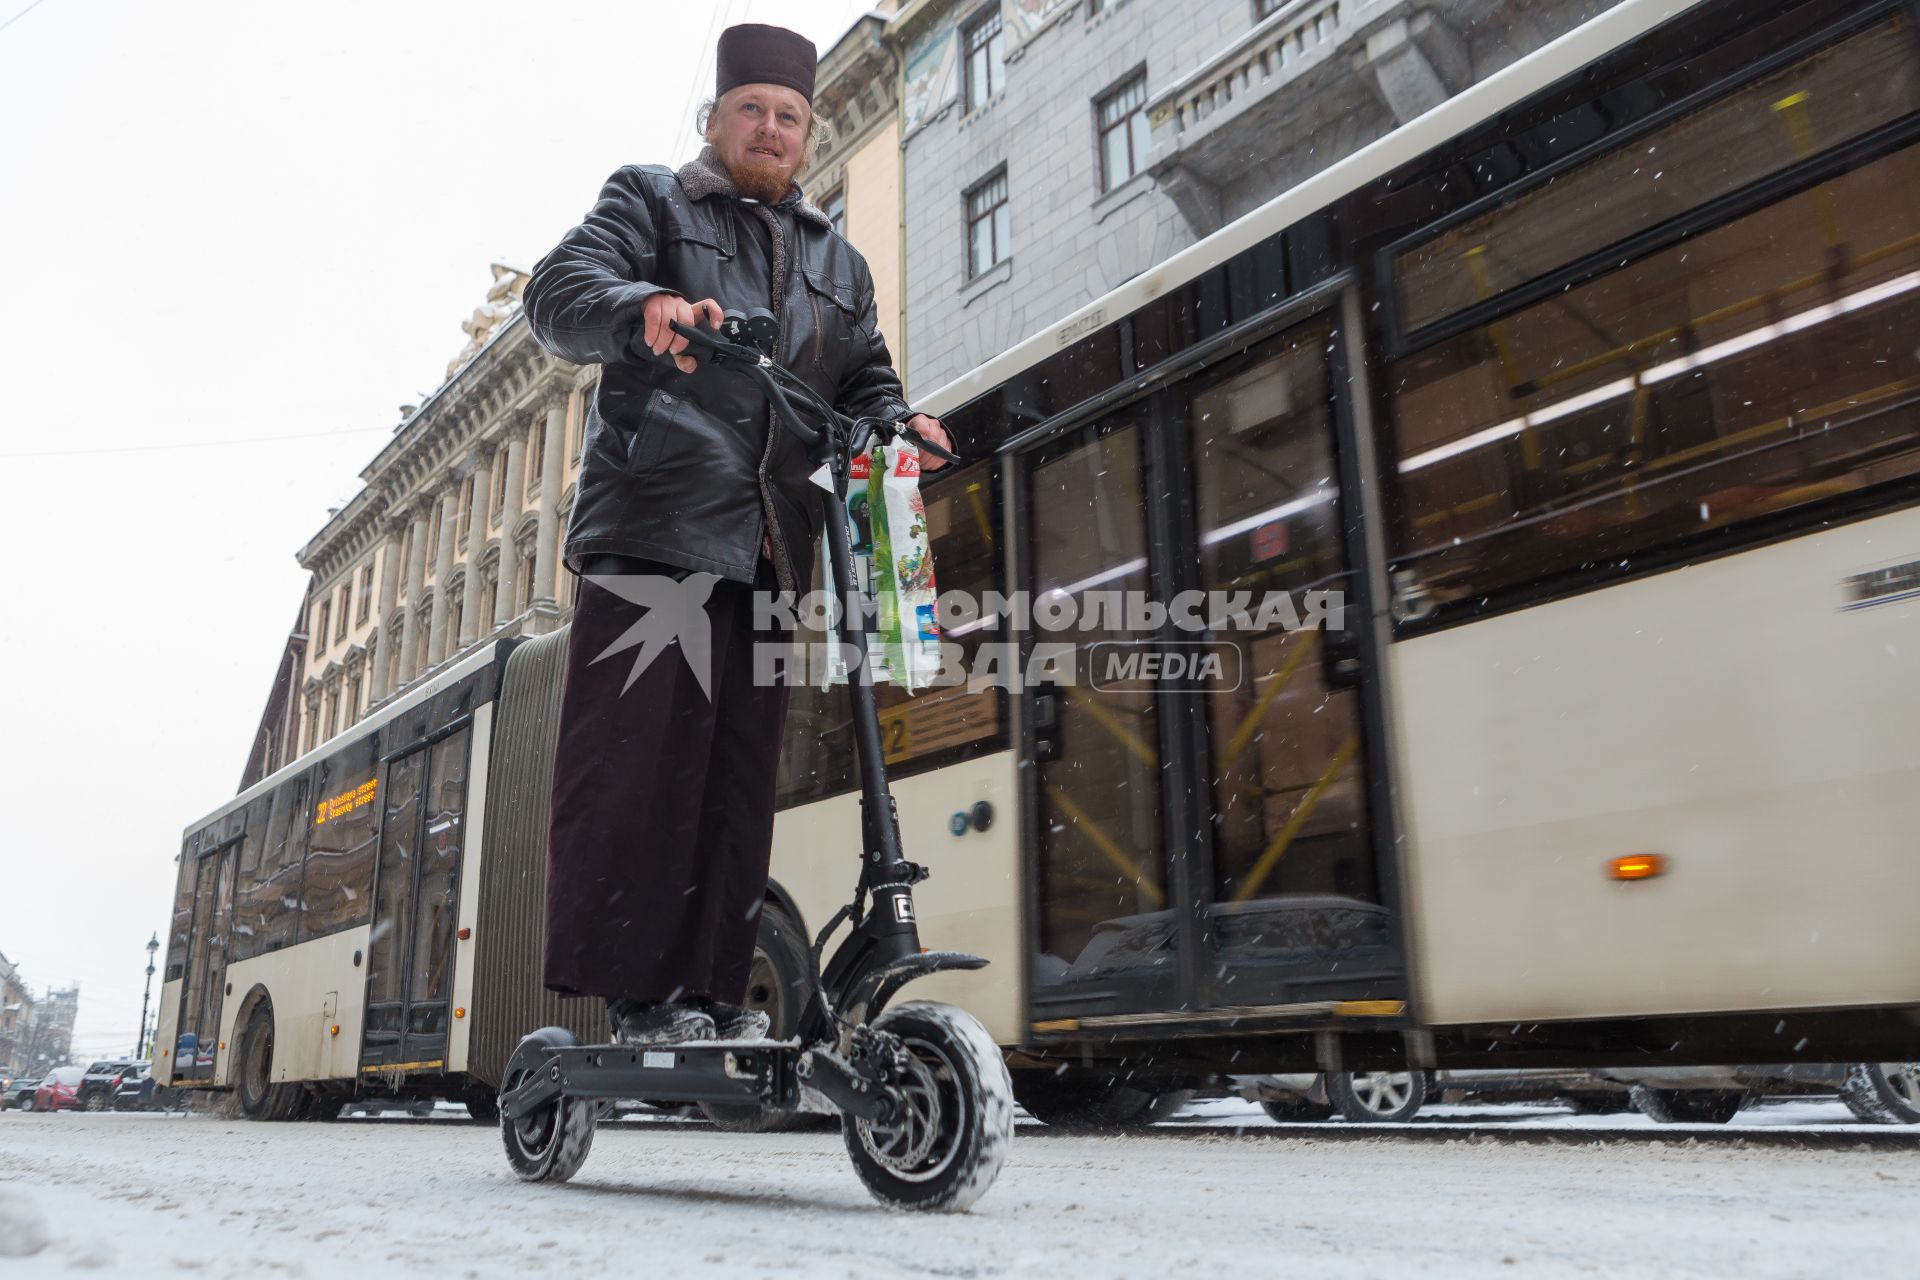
(663, 800)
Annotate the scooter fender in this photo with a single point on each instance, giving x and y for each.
(874, 989)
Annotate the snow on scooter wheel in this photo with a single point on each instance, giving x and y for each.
(550, 1143)
(946, 1148)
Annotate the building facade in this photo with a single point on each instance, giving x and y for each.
(1054, 149)
(453, 540)
(16, 1019)
(855, 175)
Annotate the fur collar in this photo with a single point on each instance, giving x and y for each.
(705, 176)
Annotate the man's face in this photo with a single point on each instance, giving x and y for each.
(760, 132)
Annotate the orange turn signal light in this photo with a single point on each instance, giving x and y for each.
(459, 1013)
(463, 934)
(1638, 866)
(223, 1044)
(334, 1030)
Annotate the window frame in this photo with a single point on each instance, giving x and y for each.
(971, 27)
(969, 220)
(1118, 90)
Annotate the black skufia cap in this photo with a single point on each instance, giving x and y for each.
(755, 54)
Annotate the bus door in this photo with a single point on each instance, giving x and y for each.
(1285, 883)
(1104, 928)
(410, 952)
(198, 1038)
(1199, 785)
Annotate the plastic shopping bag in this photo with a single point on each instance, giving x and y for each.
(907, 632)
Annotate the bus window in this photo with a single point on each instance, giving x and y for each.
(1813, 105)
(182, 926)
(1288, 803)
(1754, 368)
(337, 889)
(1101, 847)
(267, 897)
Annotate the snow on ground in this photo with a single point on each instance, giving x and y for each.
(195, 1195)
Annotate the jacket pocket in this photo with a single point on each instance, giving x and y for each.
(835, 317)
(650, 431)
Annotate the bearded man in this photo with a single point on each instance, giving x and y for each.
(662, 816)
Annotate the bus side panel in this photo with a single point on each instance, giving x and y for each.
(314, 987)
(166, 1029)
(1733, 716)
(472, 849)
(971, 904)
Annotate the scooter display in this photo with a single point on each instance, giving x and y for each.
(922, 1092)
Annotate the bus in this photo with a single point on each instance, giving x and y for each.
(1593, 393)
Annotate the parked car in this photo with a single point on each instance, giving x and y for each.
(136, 1090)
(1876, 1092)
(19, 1093)
(97, 1086)
(1365, 1097)
(59, 1091)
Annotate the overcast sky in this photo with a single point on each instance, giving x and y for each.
(234, 239)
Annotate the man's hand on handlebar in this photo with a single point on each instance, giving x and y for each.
(661, 310)
(928, 428)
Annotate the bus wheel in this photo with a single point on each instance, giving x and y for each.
(260, 1097)
(1883, 1092)
(945, 1147)
(1688, 1106)
(1083, 1101)
(777, 986)
(551, 1143)
(1377, 1097)
(324, 1107)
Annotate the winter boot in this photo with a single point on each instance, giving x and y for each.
(658, 1022)
(731, 1022)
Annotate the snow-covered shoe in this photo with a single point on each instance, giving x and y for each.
(731, 1022)
(651, 1022)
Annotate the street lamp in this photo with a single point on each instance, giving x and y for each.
(153, 945)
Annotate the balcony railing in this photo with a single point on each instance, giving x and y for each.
(1273, 51)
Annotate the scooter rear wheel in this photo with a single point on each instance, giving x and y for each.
(946, 1148)
(550, 1143)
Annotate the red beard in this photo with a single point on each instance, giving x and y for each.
(760, 179)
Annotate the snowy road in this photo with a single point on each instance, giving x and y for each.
(158, 1195)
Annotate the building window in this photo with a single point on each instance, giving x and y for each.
(1122, 117)
(985, 43)
(353, 697)
(1264, 9)
(536, 451)
(987, 228)
(422, 635)
(523, 580)
(581, 404)
(363, 606)
(433, 540)
(326, 620)
(498, 498)
(456, 618)
(835, 207)
(462, 511)
(340, 619)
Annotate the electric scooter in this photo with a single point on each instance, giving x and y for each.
(922, 1092)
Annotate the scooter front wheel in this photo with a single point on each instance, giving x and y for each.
(946, 1145)
(550, 1143)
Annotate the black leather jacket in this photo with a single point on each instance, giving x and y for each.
(682, 468)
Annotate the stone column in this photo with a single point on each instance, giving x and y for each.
(383, 616)
(552, 462)
(483, 464)
(509, 517)
(442, 569)
(416, 583)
